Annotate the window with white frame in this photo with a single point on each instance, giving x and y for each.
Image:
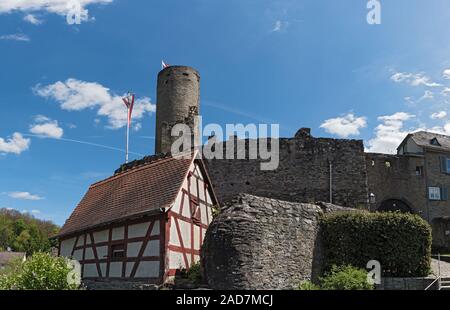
(434, 193)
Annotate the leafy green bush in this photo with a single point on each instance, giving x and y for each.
(345, 278)
(194, 274)
(400, 242)
(308, 286)
(39, 272)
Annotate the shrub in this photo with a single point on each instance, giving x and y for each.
(400, 242)
(346, 278)
(308, 286)
(39, 272)
(194, 274)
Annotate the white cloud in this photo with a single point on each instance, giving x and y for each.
(76, 95)
(344, 126)
(414, 79)
(16, 145)
(445, 91)
(446, 74)
(389, 134)
(60, 7)
(46, 127)
(15, 37)
(428, 95)
(24, 196)
(439, 115)
(35, 211)
(32, 19)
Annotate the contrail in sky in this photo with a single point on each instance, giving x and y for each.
(84, 142)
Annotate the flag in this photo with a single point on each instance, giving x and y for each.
(164, 65)
(129, 102)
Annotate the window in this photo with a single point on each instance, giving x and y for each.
(434, 193)
(387, 164)
(117, 251)
(445, 164)
(419, 170)
(435, 142)
(195, 211)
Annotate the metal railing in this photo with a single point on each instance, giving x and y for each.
(439, 277)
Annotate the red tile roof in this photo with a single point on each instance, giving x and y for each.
(137, 191)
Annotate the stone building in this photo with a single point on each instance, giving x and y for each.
(262, 243)
(149, 219)
(416, 179)
(310, 169)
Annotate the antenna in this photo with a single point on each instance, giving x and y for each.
(129, 103)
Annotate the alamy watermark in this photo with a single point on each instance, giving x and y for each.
(258, 145)
(74, 275)
(75, 12)
(374, 274)
(374, 14)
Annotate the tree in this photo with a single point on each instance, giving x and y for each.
(24, 233)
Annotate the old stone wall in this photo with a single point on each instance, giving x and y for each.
(303, 174)
(394, 177)
(262, 243)
(436, 177)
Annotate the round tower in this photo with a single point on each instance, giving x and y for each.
(178, 96)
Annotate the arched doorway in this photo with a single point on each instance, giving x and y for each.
(392, 205)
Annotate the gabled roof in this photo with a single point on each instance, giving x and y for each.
(142, 189)
(424, 139)
(6, 257)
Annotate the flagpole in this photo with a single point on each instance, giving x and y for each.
(128, 135)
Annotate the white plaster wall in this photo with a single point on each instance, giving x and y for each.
(67, 247)
(156, 229)
(138, 230)
(147, 269)
(89, 253)
(103, 269)
(176, 260)
(115, 270)
(133, 249)
(78, 255)
(90, 270)
(101, 236)
(129, 268)
(102, 251)
(173, 233)
(152, 248)
(186, 207)
(196, 238)
(118, 233)
(81, 240)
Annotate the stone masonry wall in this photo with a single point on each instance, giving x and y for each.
(262, 243)
(394, 177)
(303, 174)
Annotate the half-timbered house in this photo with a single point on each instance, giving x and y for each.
(143, 223)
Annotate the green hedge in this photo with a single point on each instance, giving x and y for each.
(400, 242)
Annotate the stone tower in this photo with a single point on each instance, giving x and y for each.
(178, 96)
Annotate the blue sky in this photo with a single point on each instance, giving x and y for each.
(310, 63)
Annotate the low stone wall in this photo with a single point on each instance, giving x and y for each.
(109, 284)
(262, 243)
(406, 284)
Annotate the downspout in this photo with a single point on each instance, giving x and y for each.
(425, 171)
